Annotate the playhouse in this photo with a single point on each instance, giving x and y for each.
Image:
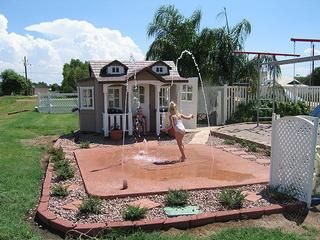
(110, 97)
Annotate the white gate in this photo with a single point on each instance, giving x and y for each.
(293, 152)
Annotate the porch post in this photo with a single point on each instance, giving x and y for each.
(129, 109)
(105, 115)
(157, 90)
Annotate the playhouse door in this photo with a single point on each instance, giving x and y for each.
(143, 99)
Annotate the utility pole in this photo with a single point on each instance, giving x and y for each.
(25, 63)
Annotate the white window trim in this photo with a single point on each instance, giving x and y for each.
(81, 95)
(164, 90)
(120, 97)
(186, 92)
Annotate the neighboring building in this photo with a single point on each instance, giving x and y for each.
(40, 90)
(152, 84)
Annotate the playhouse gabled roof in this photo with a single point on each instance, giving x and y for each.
(135, 68)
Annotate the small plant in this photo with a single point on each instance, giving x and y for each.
(231, 198)
(64, 171)
(57, 154)
(133, 213)
(91, 205)
(60, 164)
(85, 144)
(59, 191)
(229, 142)
(176, 198)
(281, 194)
(252, 147)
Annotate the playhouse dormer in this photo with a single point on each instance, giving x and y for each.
(160, 68)
(114, 68)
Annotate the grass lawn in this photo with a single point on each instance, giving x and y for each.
(20, 169)
(21, 174)
(246, 233)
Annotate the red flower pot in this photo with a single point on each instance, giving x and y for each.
(116, 134)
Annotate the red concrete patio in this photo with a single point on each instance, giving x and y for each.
(104, 169)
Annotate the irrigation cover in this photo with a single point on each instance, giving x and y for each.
(180, 211)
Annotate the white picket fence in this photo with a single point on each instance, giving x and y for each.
(57, 102)
(224, 100)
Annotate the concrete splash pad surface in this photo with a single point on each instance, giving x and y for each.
(103, 173)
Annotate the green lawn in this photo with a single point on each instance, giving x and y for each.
(21, 174)
(20, 171)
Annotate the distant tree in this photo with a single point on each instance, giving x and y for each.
(14, 83)
(1, 92)
(55, 87)
(40, 84)
(73, 72)
(314, 78)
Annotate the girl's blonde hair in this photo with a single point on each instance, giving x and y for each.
(173, 109)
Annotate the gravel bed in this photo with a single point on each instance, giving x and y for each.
(112, 209)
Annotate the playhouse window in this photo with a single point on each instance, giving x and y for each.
(114, 97)
(186, 93)
(115, 69)
(164, 97)
(87, 98)
(139, 92)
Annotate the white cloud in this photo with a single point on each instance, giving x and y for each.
(61, 40)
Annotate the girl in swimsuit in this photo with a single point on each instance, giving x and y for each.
(176, 123)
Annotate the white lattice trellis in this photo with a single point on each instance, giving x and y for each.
(293, 153)
(57, 102)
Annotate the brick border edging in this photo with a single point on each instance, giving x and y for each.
(63, 226)
(227, 136)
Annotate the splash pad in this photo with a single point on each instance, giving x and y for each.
(103, 173)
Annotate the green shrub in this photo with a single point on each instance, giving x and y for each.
(133, 213)
(252, 147)
(229, 142)
(57, 154)
(231, 198)
(176, 198)
(59, 191)
(91, 205)
(248, 112)
(64, 171)
(60, 164)
(281, 195)
(85, 144)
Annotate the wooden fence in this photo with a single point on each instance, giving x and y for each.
(57, 102)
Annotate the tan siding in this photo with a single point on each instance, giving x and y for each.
(99, 106)
(87, 117)
(146, 76)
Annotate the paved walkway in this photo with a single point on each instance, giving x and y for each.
(247, 131)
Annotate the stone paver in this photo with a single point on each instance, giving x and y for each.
(263, 161)
(248, 131)
(145, 203)
(239, 153)
(248, 156)
(252, 196)
(73, 205)
(201, 137)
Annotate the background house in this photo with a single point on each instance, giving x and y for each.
(110, 96)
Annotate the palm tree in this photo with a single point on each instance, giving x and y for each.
(173, 33)
(213, 48)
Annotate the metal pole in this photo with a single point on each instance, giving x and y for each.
(25, 67)
(258, 89)
(273, 86)
(312, 67)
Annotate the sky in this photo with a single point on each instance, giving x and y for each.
(50, 33)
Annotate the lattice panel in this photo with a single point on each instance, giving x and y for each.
(293, 153)
(57, 103)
